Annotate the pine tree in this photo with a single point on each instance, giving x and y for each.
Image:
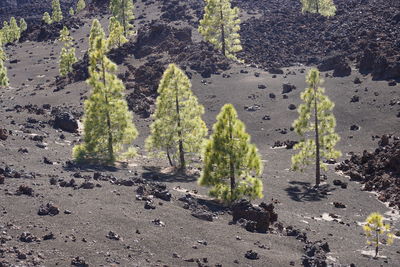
(177, 129)
(220, 26)
(67, 56)
(71, 12)
(80, 6)
(57, 15)
(316, 105)
(95, 32)
(374, 229)
(116, 36)
(324, 7)
(15, 31)
(5, 33)
(231, 163)
(22, 25)
(122, 10)
(3, 73)
(46, 18)
(107, 121)
(2, 54)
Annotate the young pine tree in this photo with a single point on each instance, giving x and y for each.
(5, 33)
(22, 25)
(116, 36)
(46, 18)
(95, 32)
(220, 26)
(57, 15)
(318, 106)
(107, 121)
(67, 56)
(177, 128)
(2, 54)
(231, 163)
(374, 229)
(324, 7)
(122, 10)
(80, 6)
(71, 12)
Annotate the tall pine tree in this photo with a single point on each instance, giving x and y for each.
(231, 163)
(107, 121)
(324, 7)
(319, 107)
(57, 15)
(67, 56)
(220, 26)
(122, 10)
(177, 129)
(116, 36)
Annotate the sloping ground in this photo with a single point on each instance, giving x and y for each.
(283, 36)
(30, 10)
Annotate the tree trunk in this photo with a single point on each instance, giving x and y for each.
(377, 244)
(169, 158)
(123, 16)
(181, 152)
(317, 5)
(317, 155)
(231, 163)
(109, 130)
(222, 31)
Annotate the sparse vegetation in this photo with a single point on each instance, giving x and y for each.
(116, 36)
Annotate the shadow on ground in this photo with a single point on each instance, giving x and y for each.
(304, 191)
(154, 174)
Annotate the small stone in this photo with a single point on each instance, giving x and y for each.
(354, 99)
(292, 107)
(339, 205)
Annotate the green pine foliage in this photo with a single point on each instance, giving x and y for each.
(3, 70)
(57, 15)
(324, 7)
(46, 18)
(177, 130)
(116, 36)
(107, 122)
(71, 12)
(22, 25)
(67, 56)
(80, 6)
(231, 163)
(14, 31)
(95, 32)
(220, 26)
(123, 11)
(315, 117)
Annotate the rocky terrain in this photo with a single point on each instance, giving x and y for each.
(54, 212)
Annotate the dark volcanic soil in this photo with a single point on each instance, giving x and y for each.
(138, 213)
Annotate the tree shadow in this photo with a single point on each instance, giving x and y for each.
(154, 174)
(71, 166)
(304, 191)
